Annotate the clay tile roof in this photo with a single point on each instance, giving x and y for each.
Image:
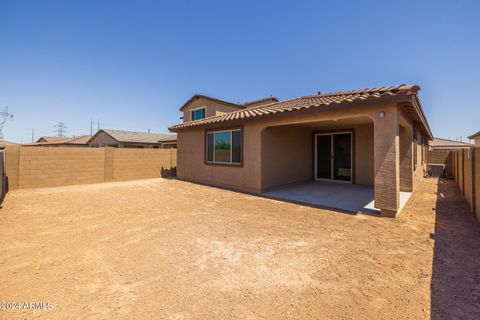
(473, 136)
(439, 143)
(139, 137)
(308, 102)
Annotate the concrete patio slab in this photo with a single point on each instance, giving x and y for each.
(335, 195)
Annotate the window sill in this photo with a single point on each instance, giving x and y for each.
(237, 165)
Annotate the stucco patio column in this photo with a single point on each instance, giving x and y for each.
(386, 161)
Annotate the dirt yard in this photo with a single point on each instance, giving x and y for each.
(166, 249)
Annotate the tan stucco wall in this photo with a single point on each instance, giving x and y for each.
(420, 168)
(191, 166)
(364, 154)
(213, 108)
(38, 167)
(289, 151)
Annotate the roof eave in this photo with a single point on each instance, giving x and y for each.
(418, 108)
(475, 135)
(344, 104)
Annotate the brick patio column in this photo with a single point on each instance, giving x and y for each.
(386, 161)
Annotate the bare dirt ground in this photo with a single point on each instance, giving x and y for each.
(166, 249)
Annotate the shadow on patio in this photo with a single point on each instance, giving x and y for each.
(344, 197)
(455, 287)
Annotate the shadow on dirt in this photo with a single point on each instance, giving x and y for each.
(455, 287)
(168, 173)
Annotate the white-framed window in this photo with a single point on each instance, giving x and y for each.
(224, 147)
(197, 114)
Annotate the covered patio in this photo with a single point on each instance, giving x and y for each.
(352, 198)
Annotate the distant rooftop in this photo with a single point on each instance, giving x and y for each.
(49, 141)
(475, 135)
(439, 143)
(7, 143)
(138, 137)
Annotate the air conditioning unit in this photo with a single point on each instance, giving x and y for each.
(436, 170)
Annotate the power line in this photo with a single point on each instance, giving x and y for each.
(4, 116)
(60, 129)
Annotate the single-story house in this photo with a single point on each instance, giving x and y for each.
(79, 141)
(7, 143)
(50, 139)
(476, 138)
(372, 137)
(132, 139)
(440, 152)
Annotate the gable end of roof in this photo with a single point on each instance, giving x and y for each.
(198, 96)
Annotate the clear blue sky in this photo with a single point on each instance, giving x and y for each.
(132, 64)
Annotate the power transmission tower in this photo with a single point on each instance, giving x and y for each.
(4, 117)
(60, 129)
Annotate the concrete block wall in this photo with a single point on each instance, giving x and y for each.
(50, 167)
(37, 167)
(467, 176)
(12, 156)
(476, 184)
(130, 164)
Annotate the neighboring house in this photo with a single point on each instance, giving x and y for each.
(132, 139)
(7, 143)
(440, 152)
(475, 137)
(51, 139)
(375, 137)
(80, 141)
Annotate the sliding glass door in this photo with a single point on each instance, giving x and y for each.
(333, 156)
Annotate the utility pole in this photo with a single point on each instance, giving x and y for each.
(32, 133)
(98, 124)
(4, 116)
(91, 126)
(60, 129)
